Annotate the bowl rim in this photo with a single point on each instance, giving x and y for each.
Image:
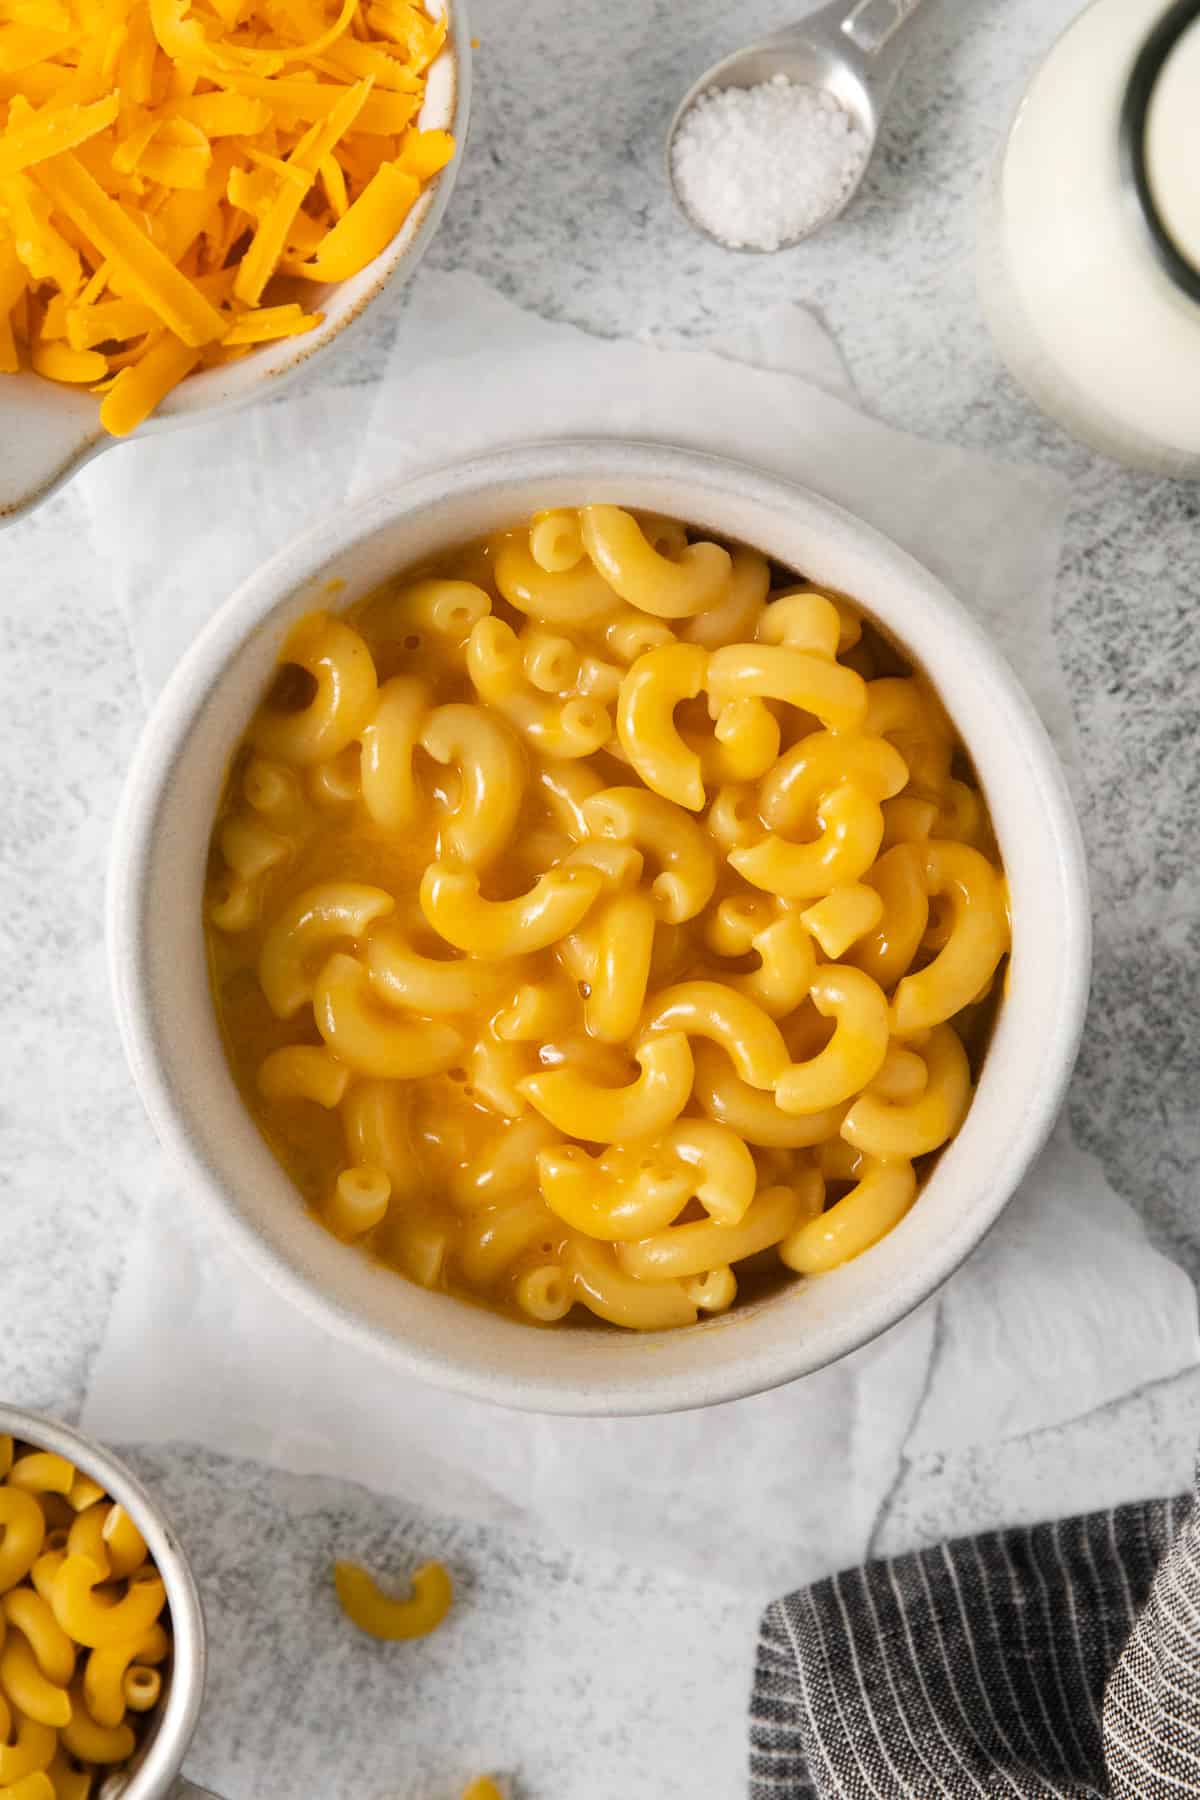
(163, 743)
(154, 1776)
(180, 410)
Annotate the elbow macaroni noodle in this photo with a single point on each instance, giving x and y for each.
(78, 1668)
(367, 1606)
(597, 934)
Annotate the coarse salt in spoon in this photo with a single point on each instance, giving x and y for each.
(773, 141)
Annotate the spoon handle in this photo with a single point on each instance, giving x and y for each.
(873, 23)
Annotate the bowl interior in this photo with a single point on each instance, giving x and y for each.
(47, 429)
(443, 108)
(165, 1745)
(167, 1013)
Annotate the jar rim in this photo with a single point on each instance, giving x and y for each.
(1135, 107)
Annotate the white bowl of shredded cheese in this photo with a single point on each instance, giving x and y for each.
(48, 429)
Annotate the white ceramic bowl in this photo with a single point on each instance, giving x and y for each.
(48, 430)
(155, 1773)
(166, 1013)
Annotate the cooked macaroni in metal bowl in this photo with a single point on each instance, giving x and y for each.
(612, 888)
(104, 1649)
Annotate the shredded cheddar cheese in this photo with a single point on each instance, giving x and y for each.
(171, 173)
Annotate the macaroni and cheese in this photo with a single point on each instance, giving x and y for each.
(83, 1630)
(601, 919)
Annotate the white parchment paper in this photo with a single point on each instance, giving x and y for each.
(1065, 1307)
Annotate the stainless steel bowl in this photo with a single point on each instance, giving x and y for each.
(156, 1772)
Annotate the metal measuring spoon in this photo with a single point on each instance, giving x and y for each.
(852, 52)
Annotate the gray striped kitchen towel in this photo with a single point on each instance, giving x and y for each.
(1062, 1660)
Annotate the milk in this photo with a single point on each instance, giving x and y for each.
(1088, 317)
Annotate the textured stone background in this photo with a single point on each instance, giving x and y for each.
(578, 1676)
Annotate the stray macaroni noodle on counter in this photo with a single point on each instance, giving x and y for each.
(173, 182)
(83, 1634)
(601, 918)
(367, 1606)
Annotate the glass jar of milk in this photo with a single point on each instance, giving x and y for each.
(1090, 252)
